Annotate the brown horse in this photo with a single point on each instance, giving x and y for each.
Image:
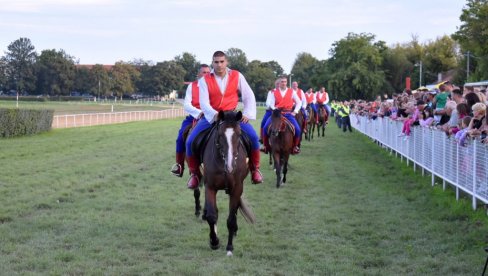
(300, 117)
(225, 168)
(310, 123)
(322, 120)
(281, 141)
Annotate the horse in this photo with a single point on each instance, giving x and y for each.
(323, 117)
(310, 123)
(300, 117)
(281, 141)
(225, 168)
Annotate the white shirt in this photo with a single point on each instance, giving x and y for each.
(189, 108)
(269, 105)
(304, 101)
(314, 101)
(247, 95)
(296, 99)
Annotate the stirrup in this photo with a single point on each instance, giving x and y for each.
(177, 170)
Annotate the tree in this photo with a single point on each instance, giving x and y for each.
(3, 74)
(275, 67)
(20, 59)
(55, 73)
(101, 81)
(165, 77)
(190, 64)
(304, 68)
(473, 36)
(440, 56)
(261, 78)
(397, 68)
(237, 60)
(124, 77)
(356, 67)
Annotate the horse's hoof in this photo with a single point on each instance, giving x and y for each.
(215, 246)
(229, 254)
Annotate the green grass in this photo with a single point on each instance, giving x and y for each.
(63, 108)
(101, 200)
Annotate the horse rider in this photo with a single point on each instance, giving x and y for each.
(311, 101)
(285, 98)
(268, 112)
(192, 107)
(219, 92)
(301, 95)
(323, 100)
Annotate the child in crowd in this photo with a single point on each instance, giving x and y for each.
(463, 132)
(414, 118)
(426, 118)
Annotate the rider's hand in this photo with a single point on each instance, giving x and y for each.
(293, 113)
(244, 119)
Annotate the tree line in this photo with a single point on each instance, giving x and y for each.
(359, 66)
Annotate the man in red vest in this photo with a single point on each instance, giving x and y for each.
(285, 98)
(322, 98)
(310, 98)
(192, 107)
(219, 92)
(301, 95)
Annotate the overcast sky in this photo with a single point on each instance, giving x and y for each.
(106, 31)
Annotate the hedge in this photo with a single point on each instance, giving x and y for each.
(20, 122)
(43, 99)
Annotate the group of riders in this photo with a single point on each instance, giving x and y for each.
(218, 89)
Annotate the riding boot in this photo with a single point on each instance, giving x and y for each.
(256, 176)
(296, 142)
(195, 174)
(261, 135)
(317, 119)
(179, 167)
(266, 147)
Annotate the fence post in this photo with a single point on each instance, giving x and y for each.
(457, 171)
(444, 163)
(474, 174)
(432, 157)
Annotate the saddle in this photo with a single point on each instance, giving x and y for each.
(284, 123)
(200, 143)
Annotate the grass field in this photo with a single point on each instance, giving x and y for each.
(101, 200)
(63, 108)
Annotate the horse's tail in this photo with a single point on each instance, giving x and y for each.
(246, 211)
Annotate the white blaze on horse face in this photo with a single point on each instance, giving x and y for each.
(229, 132)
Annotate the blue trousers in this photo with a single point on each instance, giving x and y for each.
(267, 114)
(327, 108)
(180, 142)
(305, 116)
(203, 124)
(314, 107)
(291, 118)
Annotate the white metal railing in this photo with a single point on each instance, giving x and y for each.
(465, 167)
(92, 119)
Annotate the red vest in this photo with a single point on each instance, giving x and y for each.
(321, 97)
(195, 95)
(300, 93)
(229, 100)
(309, 97)
(285, 102)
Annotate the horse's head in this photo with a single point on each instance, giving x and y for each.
(275, 126)
(227, 139)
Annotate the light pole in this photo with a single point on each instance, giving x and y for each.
(290, 78)
(420, 74)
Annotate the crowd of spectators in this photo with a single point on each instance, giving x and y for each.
(460, 113)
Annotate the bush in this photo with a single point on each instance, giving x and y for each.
(19, 122)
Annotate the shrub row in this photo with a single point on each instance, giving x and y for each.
(19, 122)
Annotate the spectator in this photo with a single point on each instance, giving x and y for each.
(463, 133)
(471, 99)
(410, 121)
(426, 118)
(479, 113)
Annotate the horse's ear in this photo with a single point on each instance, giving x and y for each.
(220, 117)
(238, 116)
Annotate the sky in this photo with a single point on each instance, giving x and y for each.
(107, 31)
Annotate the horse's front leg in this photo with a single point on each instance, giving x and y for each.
(232, 221)
(286, 156)
(211, 215)
(198, 207)
(277, 165)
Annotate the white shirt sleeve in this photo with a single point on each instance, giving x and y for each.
(327, 95)
(268, 100)
(248, 99)
(207, 109)
(314, 98)
(298, 102)
(304, 101)
(189, 108)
